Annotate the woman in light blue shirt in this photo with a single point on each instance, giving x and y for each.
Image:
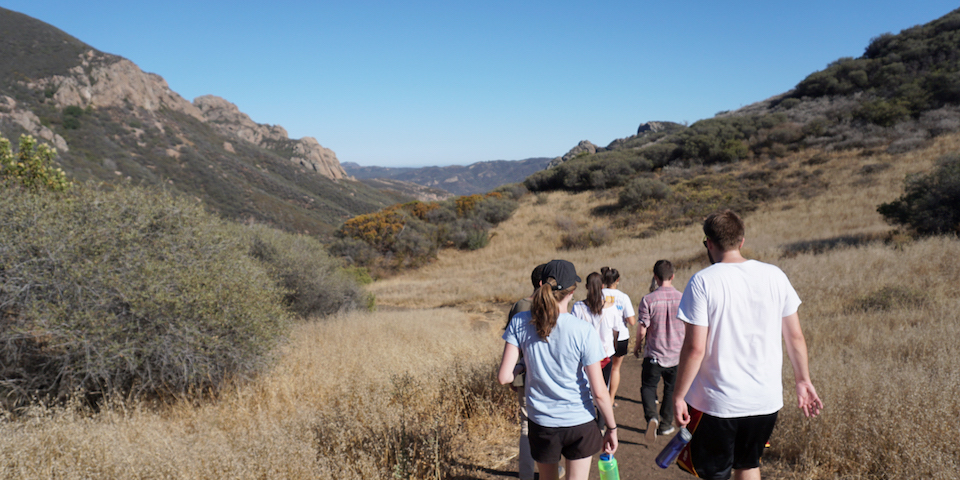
(561, 357)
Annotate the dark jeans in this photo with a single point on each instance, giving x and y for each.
(649, 379)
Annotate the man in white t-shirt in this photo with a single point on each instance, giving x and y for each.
(729, 386)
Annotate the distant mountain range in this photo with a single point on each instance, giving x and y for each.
(480, 177)
(112, 122)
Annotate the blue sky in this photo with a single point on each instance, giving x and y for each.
(420, 83)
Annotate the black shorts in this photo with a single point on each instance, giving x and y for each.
(621, 349)
(720, 445)
(548, 443)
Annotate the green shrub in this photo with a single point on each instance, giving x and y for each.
(641, 192)
(885, 113)
(312, 281)
(512, 190)
(660, 154)
(930, 203)
(32, 167)
(129, 292)
(495, 210)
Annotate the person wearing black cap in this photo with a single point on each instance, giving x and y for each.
(562, 357)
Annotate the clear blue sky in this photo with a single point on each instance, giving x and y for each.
(418, 83)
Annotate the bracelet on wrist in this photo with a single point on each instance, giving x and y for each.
(611, 428)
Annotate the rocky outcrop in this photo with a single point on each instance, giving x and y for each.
(229, 120)
(30, 122)
(309, 153)
(583, 146)
(107, 81)
(652, 127)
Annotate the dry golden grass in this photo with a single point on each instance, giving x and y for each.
(409, 393)
(344, 386)
(885, 364)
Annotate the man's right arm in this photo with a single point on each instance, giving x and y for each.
(807, 398)
(691, 356)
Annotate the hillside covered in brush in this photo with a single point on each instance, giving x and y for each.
(111, 122)
(902, 93)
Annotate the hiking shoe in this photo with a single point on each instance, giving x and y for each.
(666, 430)
(652, 429)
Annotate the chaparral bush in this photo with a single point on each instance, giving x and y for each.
(931, 202)
(410, 234)
(31, 167)
(131, 292)
(312, 281)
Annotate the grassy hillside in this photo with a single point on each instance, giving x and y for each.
(901, 95)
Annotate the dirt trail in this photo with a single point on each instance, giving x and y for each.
(634, 456)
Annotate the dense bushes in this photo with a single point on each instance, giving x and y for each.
(409, 234)
(130, 292)
(139, 292)
(642, 192)
(902, 75)
(930, 203)
(312, 282)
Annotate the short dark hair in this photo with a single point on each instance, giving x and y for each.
(535, 275)
(725, 228)
(663, 270)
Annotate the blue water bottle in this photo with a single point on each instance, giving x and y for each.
(669, 453)
(608, 467)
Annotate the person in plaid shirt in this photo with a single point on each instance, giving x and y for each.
(663, 331)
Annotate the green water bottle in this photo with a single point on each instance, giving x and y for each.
(608, 467)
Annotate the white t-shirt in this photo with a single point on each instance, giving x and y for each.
(624, 306)
(556, 385)
(603, 323)
(743, 305)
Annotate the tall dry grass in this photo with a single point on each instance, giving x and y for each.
(881, 326)
(386, 395)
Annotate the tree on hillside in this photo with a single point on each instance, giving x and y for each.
(930, 203)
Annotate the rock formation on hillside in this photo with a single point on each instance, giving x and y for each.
(30, 122)
(102, 80)
(227, 118)
(108, 81)
(583, 146)
(652, 127)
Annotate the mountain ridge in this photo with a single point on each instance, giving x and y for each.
(477, 177)
(111, 122)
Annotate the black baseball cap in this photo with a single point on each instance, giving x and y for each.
(562, 271)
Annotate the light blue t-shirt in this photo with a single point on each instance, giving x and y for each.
(556, 386)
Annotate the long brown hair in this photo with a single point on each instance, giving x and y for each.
(545, 309)
(594, 299)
